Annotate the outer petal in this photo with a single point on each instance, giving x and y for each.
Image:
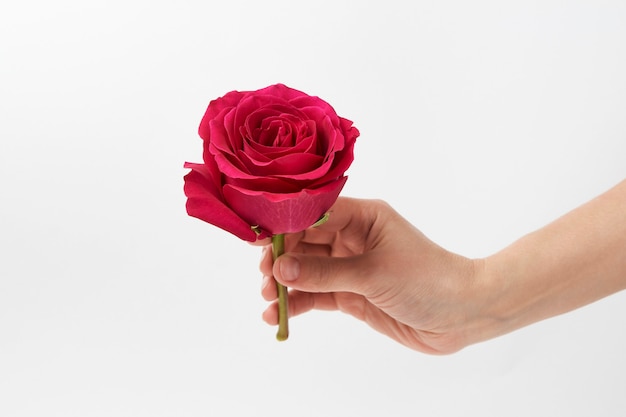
(305, 101)
(283, 213)
(282, 91)
(217, 106)
(205, 203)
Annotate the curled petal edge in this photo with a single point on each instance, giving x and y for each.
(204, 204)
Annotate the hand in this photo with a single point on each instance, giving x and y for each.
(368, 261)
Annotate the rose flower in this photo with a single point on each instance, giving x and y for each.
(274, 162)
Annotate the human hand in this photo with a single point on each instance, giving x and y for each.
(371, 263)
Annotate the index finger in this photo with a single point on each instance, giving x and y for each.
(347, 215)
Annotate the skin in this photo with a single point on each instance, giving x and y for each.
(371, 263)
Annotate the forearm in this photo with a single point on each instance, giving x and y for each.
(577, 259)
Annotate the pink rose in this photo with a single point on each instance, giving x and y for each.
(274, 160)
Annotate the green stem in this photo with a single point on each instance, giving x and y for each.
(278, 248)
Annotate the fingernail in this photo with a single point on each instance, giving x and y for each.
(265, 282)
(289, 268)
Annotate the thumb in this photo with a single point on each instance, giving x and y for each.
(321, 274)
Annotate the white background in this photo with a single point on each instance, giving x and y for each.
(480, 122)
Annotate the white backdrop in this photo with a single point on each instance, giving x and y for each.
(480, 122)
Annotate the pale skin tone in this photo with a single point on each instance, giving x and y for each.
(371, 263)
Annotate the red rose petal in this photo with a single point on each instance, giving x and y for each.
(268, 184)
(306, 144)
(216, 106)
(306, 101)
(282, 91)
(204, 203)
(230, 166)
(343, 158)
(294, 166)
(283, 213)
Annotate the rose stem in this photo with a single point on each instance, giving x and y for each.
(278, 248)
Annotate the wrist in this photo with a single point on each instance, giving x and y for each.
(490, 310)
(515, 291)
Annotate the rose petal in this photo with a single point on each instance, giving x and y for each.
(256, 119)
(330, 138)
(231, 167)
(282, 91)
(343, 158)
(276, 131)
(232, 135)
(262, 106)
(294, 166)
(205, 203)
(216, 106)
(218, 136)
(283, 213)
(306, 101)
(269, 184)
(306, 144)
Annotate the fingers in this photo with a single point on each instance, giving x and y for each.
(342, 215)
(268, 288)
(324, 259)
(268, 285)
(316, 271)
(266, 261)
(323, 274)
(299, 303)
(302, 302)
